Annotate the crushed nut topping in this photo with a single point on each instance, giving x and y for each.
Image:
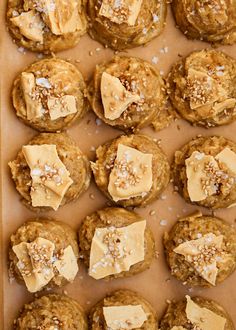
(47, 172)
(217, 177)
(118, 8)
(128, 174)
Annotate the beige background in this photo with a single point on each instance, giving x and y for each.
(155, 284)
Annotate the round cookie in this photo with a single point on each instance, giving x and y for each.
(121, 298)
(194, 244)
(75, 162)
(175, 317)
(145, 97)
(35, 238)
(41, 26)
(202, 88)
(120, 175)
(210, 180)
(52, 311)
(211, 21)
(113, 27)
(115, 218)
(55, 88)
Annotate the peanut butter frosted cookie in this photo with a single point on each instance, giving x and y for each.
(49, 95)
(123, 309)
(126, 24)
(195, 313)
(53, 311)
(204, 172)
(201, 250)
(50, 171)
(212, 20)
(43, 254)
(115, 243)
(202, 88)
(131, 170)
(129, 93)
(46, 25)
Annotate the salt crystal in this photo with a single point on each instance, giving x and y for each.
(155, 60)
(155, 18)
(199, 155)
(163, 222)
(43, 82)
(21, 50)
(36, 171)
(98, 122)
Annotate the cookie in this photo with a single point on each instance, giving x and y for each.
(50, 171)
(211, 21)
(202, 88)
(49, 95)
(129, 93)
(201, 250)
(131, 170)
(123, 309)
(43, 26)
(204, 172)
(43, 254)
(53, 311)
(126, 237)
(126, 24)
(195, 313)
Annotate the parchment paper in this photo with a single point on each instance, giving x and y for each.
(156, 284)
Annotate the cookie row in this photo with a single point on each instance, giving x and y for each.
(128, 93)
(130, 170)
(122, 309)
(46, 26)
(116, 243)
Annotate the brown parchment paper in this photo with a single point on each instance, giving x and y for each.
(156, 284)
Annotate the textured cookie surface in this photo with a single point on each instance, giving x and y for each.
(191, 229)
(52, 311)
(121, 298)
(212, 21)
(58, 233)
(115, 218)
(148, 25)
(138, 77)
(41, 27)
(71, 156)
(55, 80)
(225, 195)
(175, 315)
(106, 155)
(202, 88)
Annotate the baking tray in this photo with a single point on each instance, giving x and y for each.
(156, 284)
